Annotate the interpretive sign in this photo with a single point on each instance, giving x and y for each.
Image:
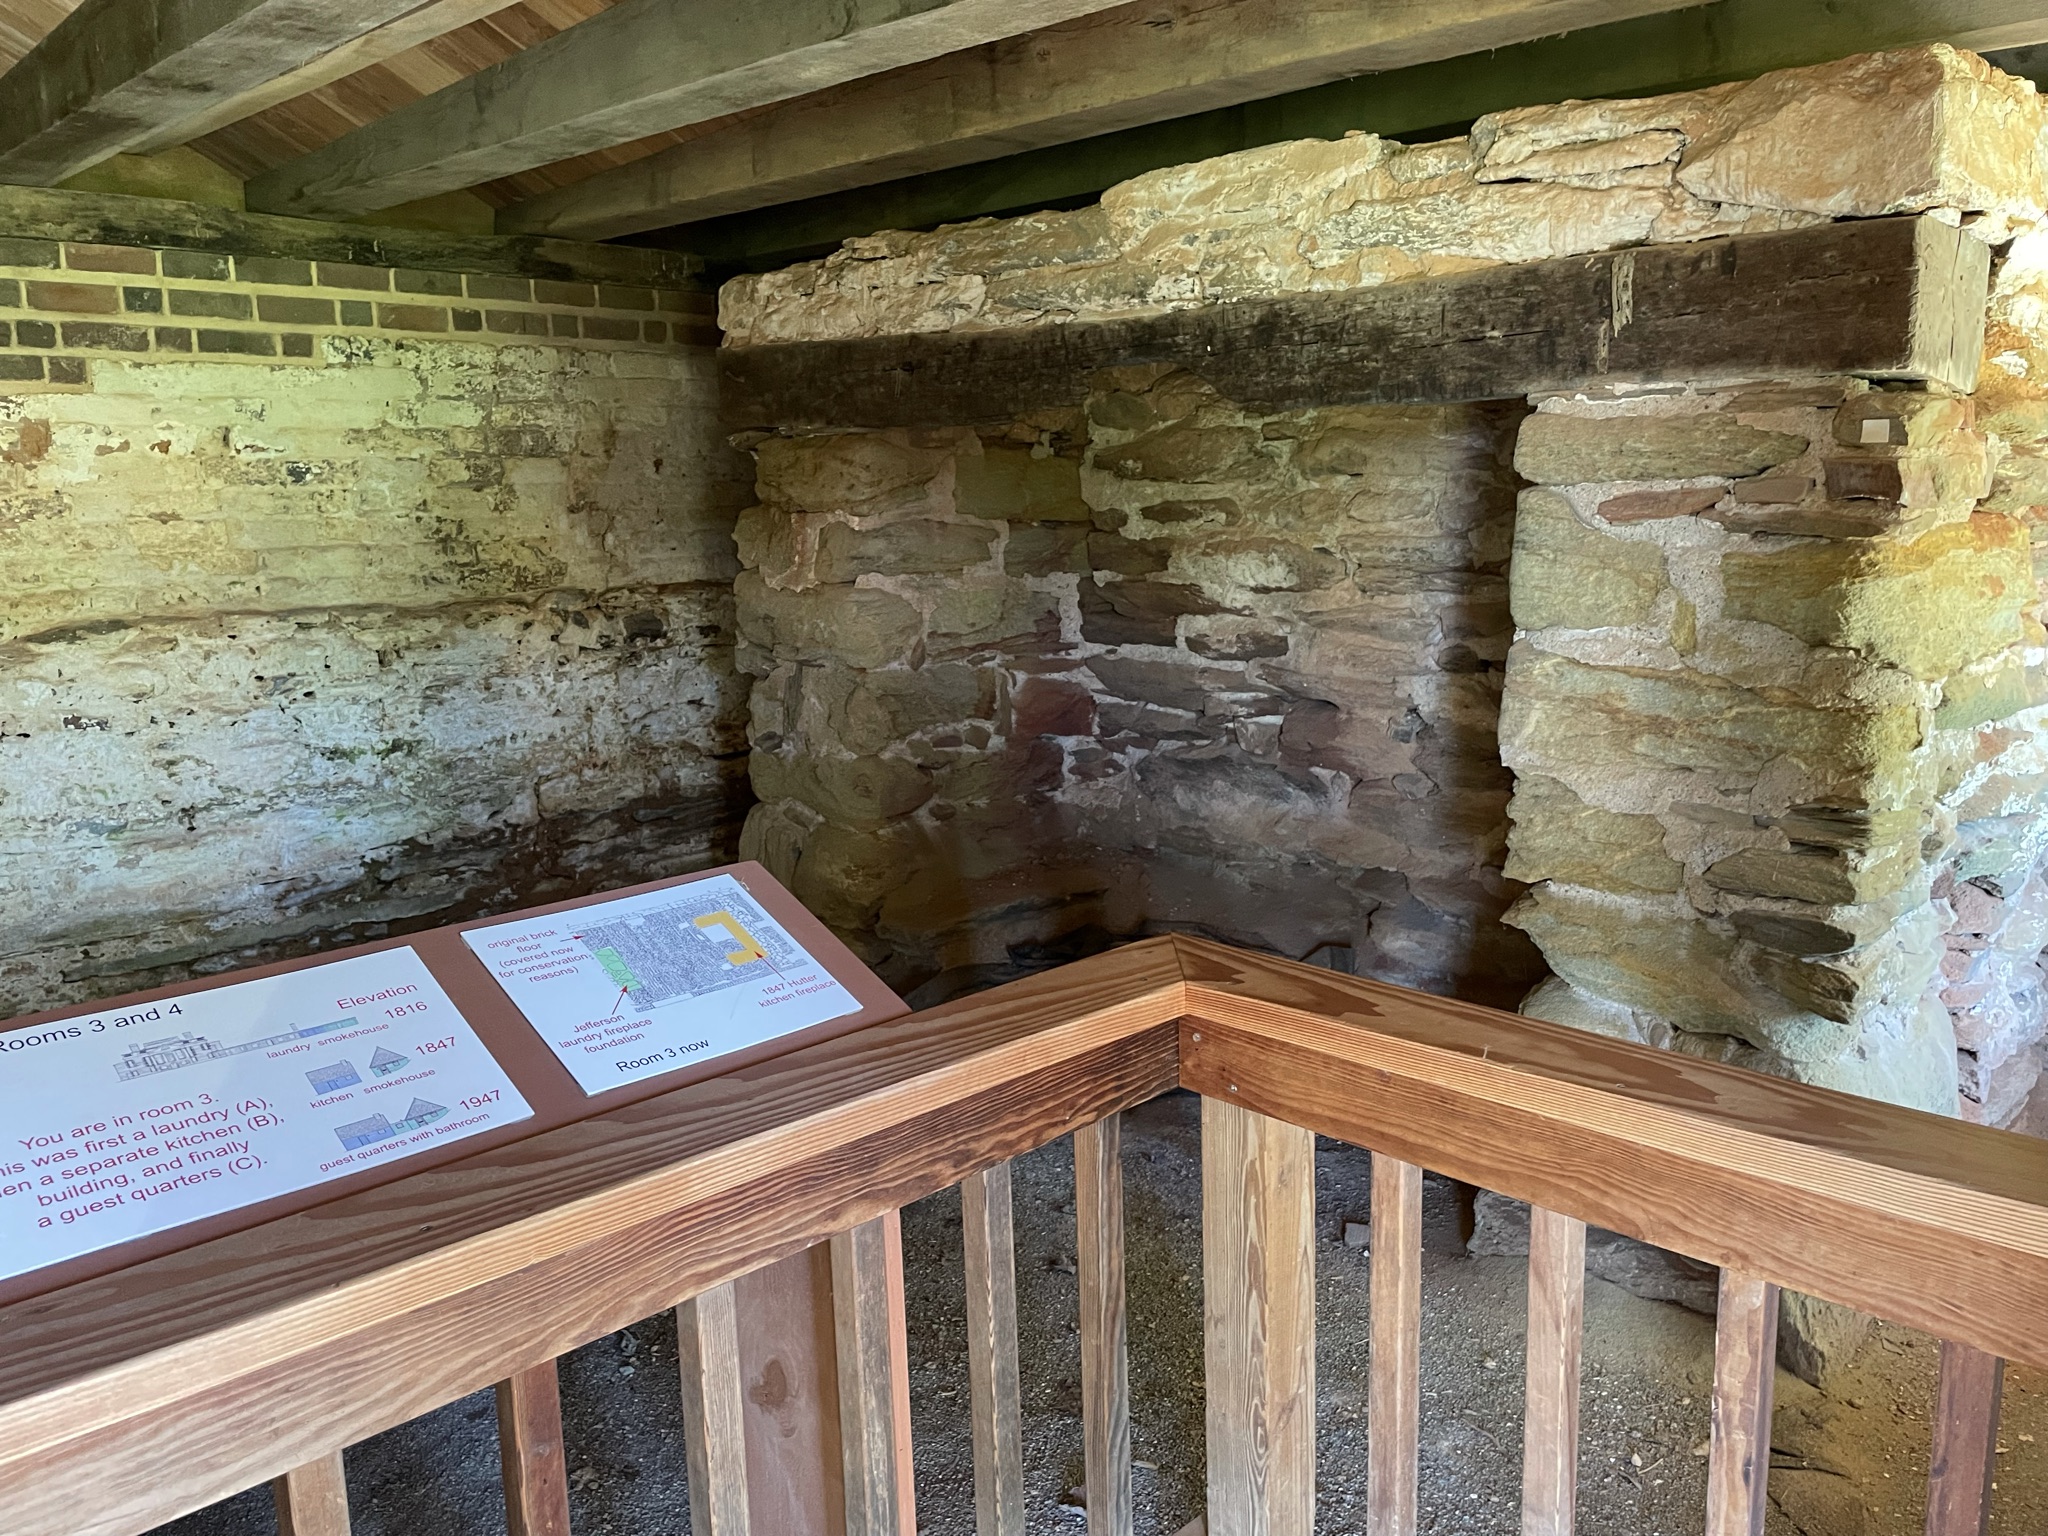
(628, 989)
(132, 1120)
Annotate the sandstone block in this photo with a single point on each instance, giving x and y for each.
(859, 791)
(1566, 575)
(1564, 717)
(842, 471)
(1128, 557)
(918, 546)
(845, 874)
(859, 626)
(1181, 452)
(1824, 879)
(1654, 506)
(1139, 612)
(1046, 706)
(1881, 133)
(1259, 565)
(1003, 483)
(1557, 836)
(1046, 549)
(1930, 603)
(1556, 449)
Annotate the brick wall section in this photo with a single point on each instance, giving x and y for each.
(63, 303)
(337, 600)
(1155, 665)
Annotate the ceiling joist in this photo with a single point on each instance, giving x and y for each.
(641, 68)
(1137, 64)
(117, 76)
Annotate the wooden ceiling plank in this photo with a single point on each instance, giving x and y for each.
(119, 75)
(636, 69)
(1137, 64)
(432, 20)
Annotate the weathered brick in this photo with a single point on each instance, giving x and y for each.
(274, 269)
(566, 325)
(580, 295)
(612, 296)
(516, 322)
(15, 252)
(357, 312)
(143, 301)
(68, 370)
(441, 284)
(210, 304)
(467, 319)
(10, 293)
(102, 337)
(109, 258)
(483, 286)
(202, 266)
(344, 274)
(655, 331)
(290, 309)
(76, 298)
(35, 333)
(605, 328)
(296, 344)
(173, 338)
(239, 343)
(20, 367)
(412, 317)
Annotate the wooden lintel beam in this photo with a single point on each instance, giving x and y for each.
(1885, 298)
(1135, 64)
(643, 67)
(118, 75)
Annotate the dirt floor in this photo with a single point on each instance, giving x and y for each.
(1850, 1461)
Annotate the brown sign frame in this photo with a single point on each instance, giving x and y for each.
(540, 1077)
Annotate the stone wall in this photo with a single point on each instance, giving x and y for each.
(1774, 700)
(341, 599)
(1154, 664)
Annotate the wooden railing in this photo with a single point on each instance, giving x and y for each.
(131, 1399)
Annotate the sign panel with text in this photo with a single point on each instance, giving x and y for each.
(129, 1121)
(629, 989)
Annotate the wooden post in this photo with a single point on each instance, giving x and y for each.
(1259, 1321)
(1745, 1362)
(1105, 1368)
(1965, 1441)
(1550, 1422)
(312, 1500)
(1393, 1444)
(714, 1412)
(874, 1378)
(530, 1453)
(994, 1389)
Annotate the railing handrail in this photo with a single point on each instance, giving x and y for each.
(267, 1348)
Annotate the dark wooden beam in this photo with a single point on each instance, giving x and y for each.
(1886, 298)
(117, 75)
(1647, 56)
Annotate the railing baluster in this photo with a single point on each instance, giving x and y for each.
(312, 1500)
(994, 1389)
(1550, 1422)
(530, 1453)
(1259, 1334)
(1105, 1369)
(874, 1378)
(1965, 1441)
(1393, 1440)
(714, 1412)
(1745, 1362)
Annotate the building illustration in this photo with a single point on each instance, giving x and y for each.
(334, 1077)
(175, 1051)
(376, 1128)
(688, 948)
(384, 1062)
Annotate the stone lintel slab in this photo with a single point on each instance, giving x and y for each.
(1894, 298)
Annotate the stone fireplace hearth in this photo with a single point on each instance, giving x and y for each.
(1709, 709)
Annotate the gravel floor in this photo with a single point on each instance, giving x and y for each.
(1849, 1462)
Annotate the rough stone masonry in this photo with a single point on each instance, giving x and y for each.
(1728, 697)
(342, 597)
